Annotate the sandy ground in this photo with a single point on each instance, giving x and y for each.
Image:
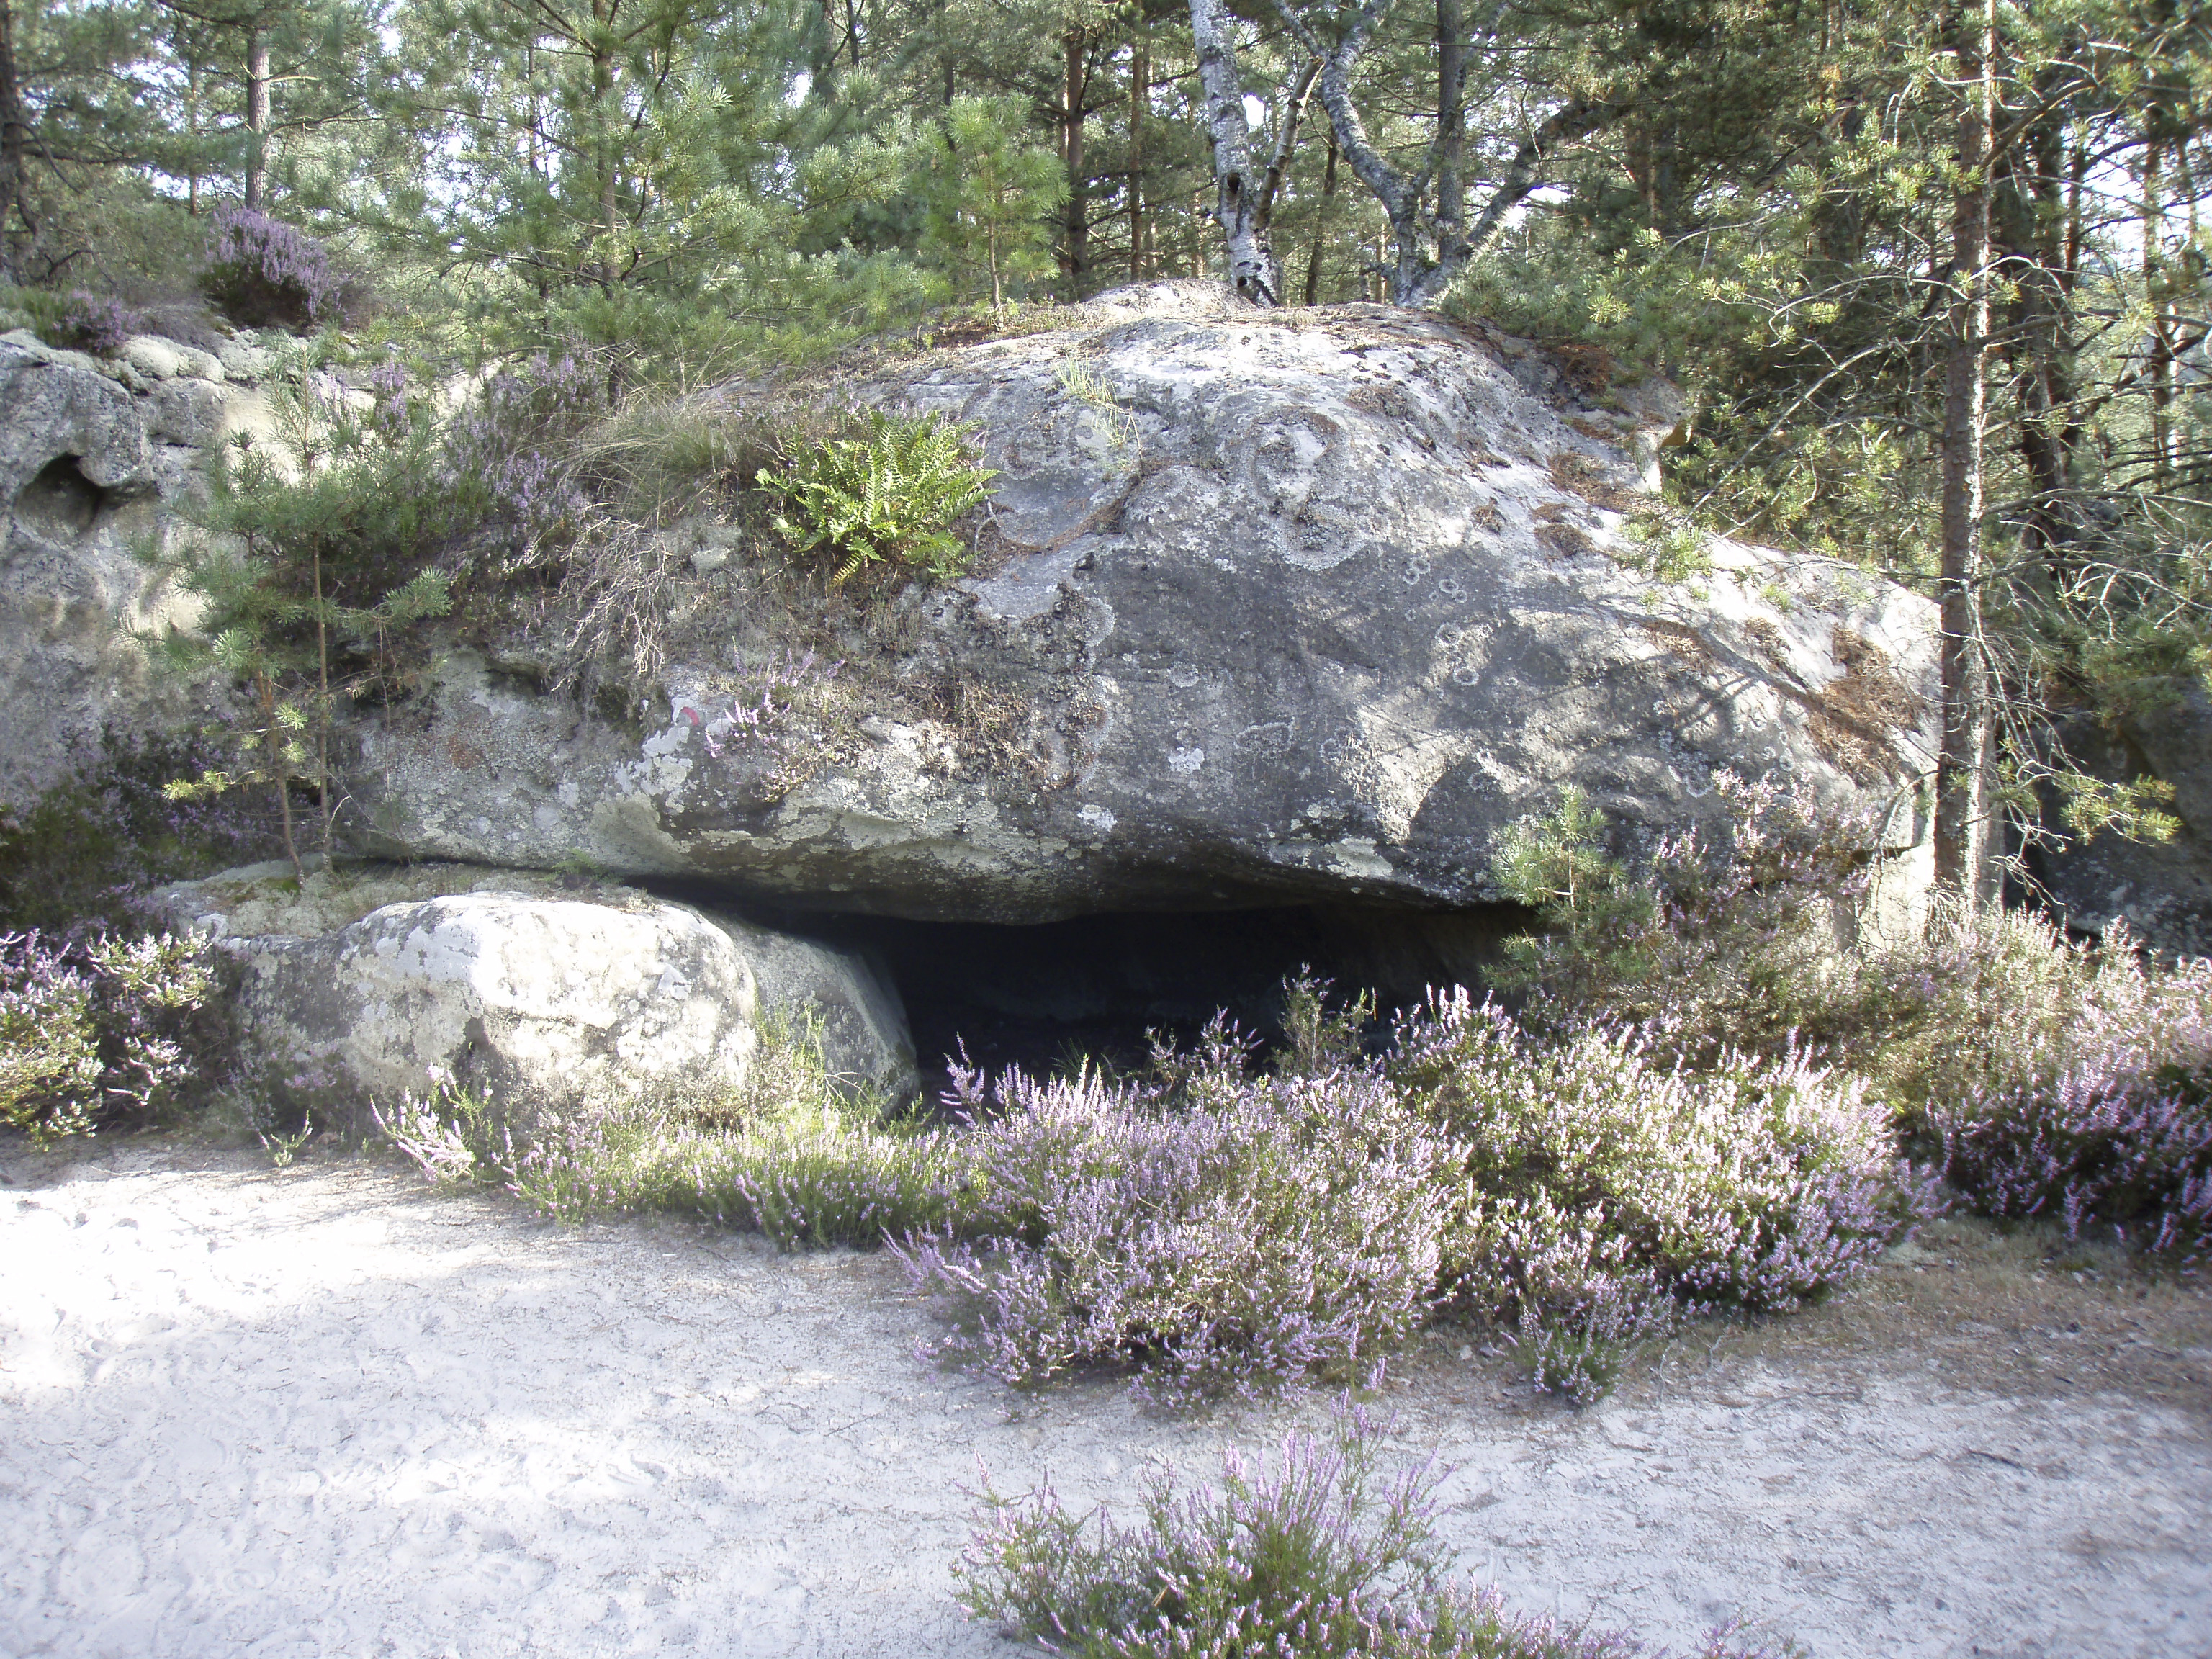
(324, 1411)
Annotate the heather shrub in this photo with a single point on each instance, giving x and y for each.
(2101, 1116)
(1608, 1186)
(263, 273)
(2044, 1078)
(1966, 1003)
(1721, 939)
(74, 320)
(100, 1031)
(1308, 1553)
(1222, 1234)
(507, 457)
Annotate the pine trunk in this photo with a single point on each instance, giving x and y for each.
(1075, 220)
(15, 134)
(1321, 221)
(257, 119)
(1963, 805)
(1140, 87)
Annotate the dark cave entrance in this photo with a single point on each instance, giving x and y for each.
(1040, 996)
(60, 504)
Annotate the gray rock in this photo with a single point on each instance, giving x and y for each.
(1268, 608)
(245, 358)
(367, 985)
(79, 482)
(2162, 891)
(154, 358)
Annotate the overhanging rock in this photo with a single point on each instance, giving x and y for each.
(1272, 607)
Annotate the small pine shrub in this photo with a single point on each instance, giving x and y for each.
(891, 491)
(1310, 1554)
(98, 1032)
(263, 273)
(1723, 939)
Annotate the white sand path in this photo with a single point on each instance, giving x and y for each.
(324, 1411)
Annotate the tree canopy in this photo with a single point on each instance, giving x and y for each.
(1936, 278)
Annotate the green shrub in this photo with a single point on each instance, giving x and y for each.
(1724, 938)
(892, 490)
(89, 847)
(97, 1032)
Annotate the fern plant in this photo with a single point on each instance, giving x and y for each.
(892, 491)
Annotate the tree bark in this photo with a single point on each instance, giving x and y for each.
(1140, 92)
(1963, 769)
(1075, 217)
(1237, 194)
(1321, 222)
(257, 116)
(15, 135)
(1418, 275)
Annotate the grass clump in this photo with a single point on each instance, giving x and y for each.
(801, 1154)
(1311, 1553)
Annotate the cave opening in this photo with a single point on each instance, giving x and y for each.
(59, 503)
(1044, 995)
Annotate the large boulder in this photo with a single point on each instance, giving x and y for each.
(367, 986)
(1271, 607)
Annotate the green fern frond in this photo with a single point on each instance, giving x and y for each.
(891, 492)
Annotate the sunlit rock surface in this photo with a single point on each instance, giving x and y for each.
(1269, 607)
(368, 986)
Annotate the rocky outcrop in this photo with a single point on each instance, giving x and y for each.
(2161, 889)
(367, 986)
(1275, 607)
(89, 451)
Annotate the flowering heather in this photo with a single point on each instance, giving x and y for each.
(1754, 1183)
(502, 448)
(758, 724)
(2107, 1122)
(263, 273)
(94, 1031)
(1300, 1556)
(78, 321)
(1253, 1232)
